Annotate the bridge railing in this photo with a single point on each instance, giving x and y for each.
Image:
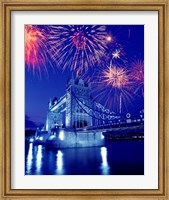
(138, 123)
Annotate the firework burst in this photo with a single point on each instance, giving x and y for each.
(116, 54)
(137, 73)
(114, 87)
(116, 77)
(36, 51)
(77, 47)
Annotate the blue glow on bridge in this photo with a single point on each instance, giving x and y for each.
(77, 112)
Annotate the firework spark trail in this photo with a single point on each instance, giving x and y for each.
(77, 47)
(36, 51)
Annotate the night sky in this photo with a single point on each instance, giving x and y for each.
(51, 59)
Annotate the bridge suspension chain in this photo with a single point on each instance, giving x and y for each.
(103, 114)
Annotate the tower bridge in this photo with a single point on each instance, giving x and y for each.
(77, 120)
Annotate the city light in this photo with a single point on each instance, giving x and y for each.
(61, 135)
(31, 140)
(40, 138)
(52, 137)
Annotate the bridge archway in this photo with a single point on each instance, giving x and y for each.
(80, 124)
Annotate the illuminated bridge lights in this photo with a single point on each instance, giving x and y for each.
(61, 135)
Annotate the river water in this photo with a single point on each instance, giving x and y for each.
(115, 158)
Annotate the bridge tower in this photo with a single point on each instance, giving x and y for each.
(76, 117)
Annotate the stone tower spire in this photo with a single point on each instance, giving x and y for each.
(77, 91)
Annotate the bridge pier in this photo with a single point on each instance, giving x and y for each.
(71, 139)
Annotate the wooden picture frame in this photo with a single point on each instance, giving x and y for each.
(5, 99)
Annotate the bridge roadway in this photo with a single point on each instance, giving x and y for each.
(112, 127)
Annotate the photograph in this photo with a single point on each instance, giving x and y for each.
(84, 99)
(84, 94)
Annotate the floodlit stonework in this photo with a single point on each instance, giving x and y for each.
(67, 121)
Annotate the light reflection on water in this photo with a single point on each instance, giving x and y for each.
(104, 165)
(125, 158)
(39, 159)
(59, 163)
(30, 158)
